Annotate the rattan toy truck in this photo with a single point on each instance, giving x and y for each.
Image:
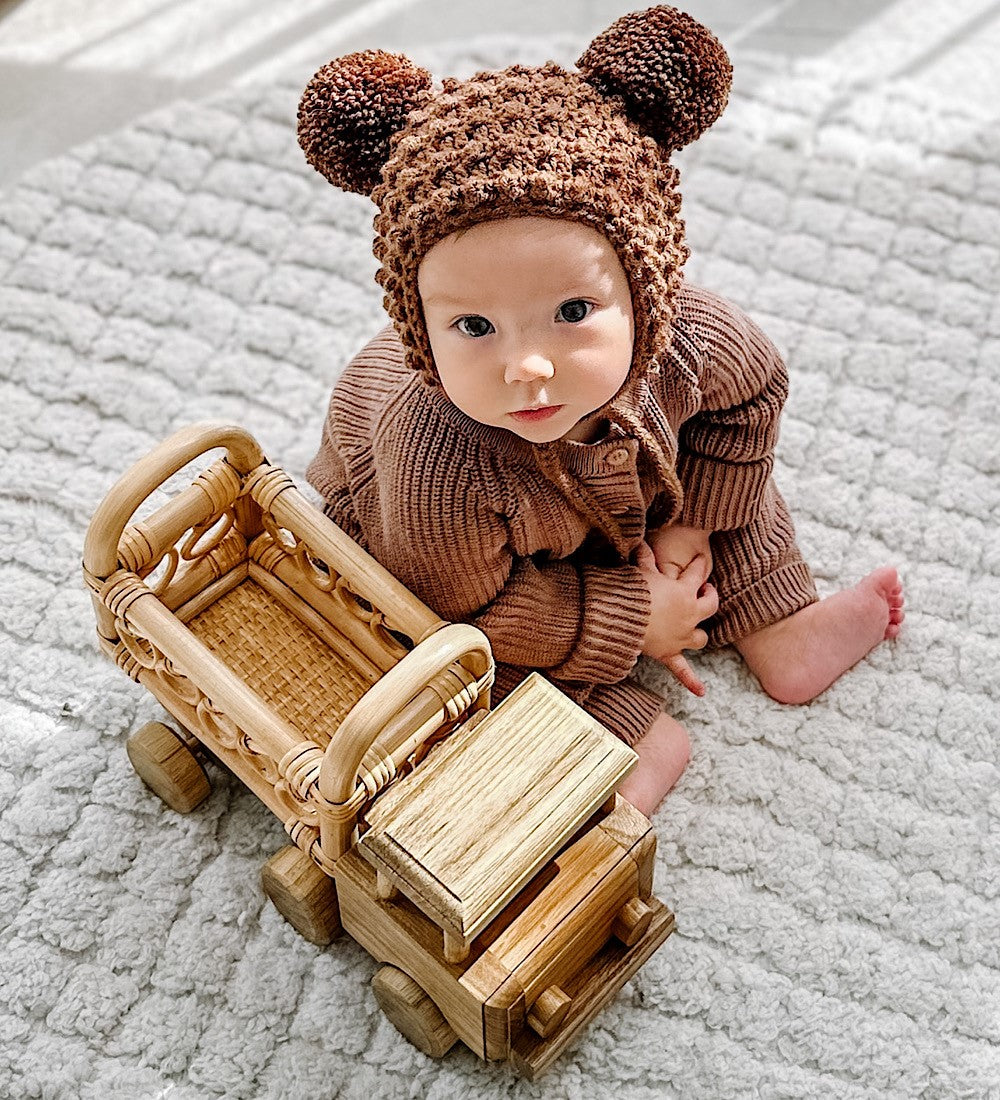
(481, 855)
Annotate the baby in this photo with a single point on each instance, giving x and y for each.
(560, 440)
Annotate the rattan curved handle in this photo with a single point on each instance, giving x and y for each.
(373, 710)
(100, 550)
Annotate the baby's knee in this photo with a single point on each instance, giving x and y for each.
(669, 739)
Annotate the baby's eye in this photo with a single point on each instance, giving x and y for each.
(474, 326)
(574, 311)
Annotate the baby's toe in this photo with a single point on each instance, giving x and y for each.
(896, 617)
(885, 582)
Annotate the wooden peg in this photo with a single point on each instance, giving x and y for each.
(385, 888)
(549, 1011)
(632, 922)
(456, 948)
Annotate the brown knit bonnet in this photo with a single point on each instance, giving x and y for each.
(592, 146)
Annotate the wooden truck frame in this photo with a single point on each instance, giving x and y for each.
(483, 856)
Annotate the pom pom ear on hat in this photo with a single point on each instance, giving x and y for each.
(672, 72)
(350, 110)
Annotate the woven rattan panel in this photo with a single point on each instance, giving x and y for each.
(303, 679)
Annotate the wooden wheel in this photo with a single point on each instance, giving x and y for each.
(412, 1012)
(165, 763)
(303, 895)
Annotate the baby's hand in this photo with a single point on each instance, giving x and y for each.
(680, 546)
(681, 600)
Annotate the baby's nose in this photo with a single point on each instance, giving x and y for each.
(528, 367)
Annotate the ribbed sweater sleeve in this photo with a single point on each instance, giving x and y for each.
(581, 623)
(343, 464)
(726, 450)
(328, 474)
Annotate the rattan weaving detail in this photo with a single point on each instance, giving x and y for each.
(296, 673)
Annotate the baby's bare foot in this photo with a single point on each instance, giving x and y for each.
(799, 657)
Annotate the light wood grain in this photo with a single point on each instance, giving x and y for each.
(397, 933)
(632, 922)
(502, 1001)
(466, 831)
(303, 895)
(571, 919)
(634, 833)
(411, 1011)
(549, 1011)
(451, 643)
(168, 767)
(596, 985)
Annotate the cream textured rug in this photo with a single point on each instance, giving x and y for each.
(834, 868)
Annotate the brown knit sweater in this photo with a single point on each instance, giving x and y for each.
(463, 515)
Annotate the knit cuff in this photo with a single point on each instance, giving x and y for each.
(721, 496)
(627, 709)
(774, 597)
(616, 609)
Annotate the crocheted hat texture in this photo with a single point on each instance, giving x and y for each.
(592, 146)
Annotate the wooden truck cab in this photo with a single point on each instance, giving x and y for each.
(506, 878)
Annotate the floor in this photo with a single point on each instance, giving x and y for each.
(72, 69)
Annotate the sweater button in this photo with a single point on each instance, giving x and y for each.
(618, 457)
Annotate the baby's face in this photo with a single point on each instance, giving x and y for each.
(530, 323)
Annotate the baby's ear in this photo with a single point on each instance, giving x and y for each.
(671, 71)
(351, 108)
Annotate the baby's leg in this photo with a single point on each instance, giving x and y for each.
(800, 656)
(663, 754)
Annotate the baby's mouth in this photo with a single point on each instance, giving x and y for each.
(541, 412)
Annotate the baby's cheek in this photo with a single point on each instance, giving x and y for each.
(473, 398)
